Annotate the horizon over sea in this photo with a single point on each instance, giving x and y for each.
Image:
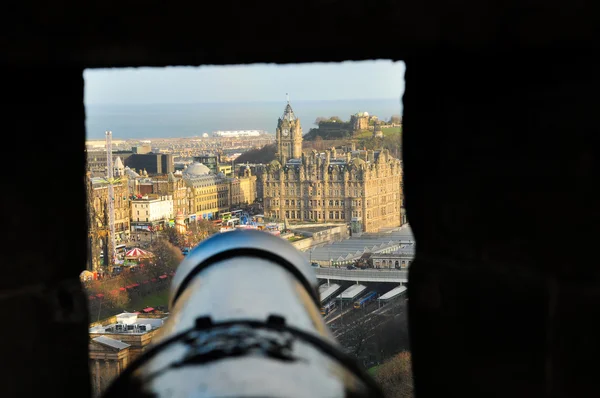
(146, 121)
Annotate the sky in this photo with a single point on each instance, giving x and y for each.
(245, 83)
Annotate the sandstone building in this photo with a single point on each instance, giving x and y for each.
(118, 341)
(358, 187)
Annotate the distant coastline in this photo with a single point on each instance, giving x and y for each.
(148, 121)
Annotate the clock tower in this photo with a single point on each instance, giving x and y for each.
(288, 136)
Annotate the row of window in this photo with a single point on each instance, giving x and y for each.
(313, 203)
(314, 192)
(318, 184)
(396, 263)
(310, 215)
(206, 206)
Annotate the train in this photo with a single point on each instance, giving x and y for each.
(327, 308)
(366, 299)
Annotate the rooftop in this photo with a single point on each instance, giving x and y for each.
(129, 323)
(354, 247)
(111, 342)
(316, 228)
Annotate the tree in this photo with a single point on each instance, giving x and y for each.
(200, 230)
(318, 143)
(356, 334)
(393, 142)
(335, 119)
(112, 296)
(174, 237)
(395, 376)
(166, 258)
(262, 155)
(320, 119)
(396, 119)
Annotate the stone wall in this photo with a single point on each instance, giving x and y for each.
(501, 152)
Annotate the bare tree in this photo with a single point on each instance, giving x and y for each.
(166, 258)
(110, 295)
(200, 230)
(396, 119)
(395, 376)
(173, 236)
(356, 334)
(318, 145)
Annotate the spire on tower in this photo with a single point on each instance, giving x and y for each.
(287, 96)
(288, 113)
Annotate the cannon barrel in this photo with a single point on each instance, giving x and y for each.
(244, 322)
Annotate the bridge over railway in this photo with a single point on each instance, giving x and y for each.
(359, 275)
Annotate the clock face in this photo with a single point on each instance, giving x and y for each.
(285, 132)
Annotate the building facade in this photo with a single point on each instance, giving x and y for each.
(96, 160)
(362, 188)
(107, 359)
(150, 211)
(99, 202)
(174, 187)
(153, 163)
(210, 195)
(360, 121)
(400, 258)
(243, 188)
(203, 195)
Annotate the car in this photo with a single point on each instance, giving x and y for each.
(351, 267)
(315, 265)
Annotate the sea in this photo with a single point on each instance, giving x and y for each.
(147, 121)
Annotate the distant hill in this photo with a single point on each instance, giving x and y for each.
(261, 155)
(330, 131)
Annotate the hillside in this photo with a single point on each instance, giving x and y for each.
(261, 155)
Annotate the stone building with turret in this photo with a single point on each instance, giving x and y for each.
(359, 121)
(362, 188)
(288, 135)
(97, 196)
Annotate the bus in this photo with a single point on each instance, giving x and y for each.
(366, 299)
(237, 213)
(327, 308)
(232, 222)
(225, 216)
